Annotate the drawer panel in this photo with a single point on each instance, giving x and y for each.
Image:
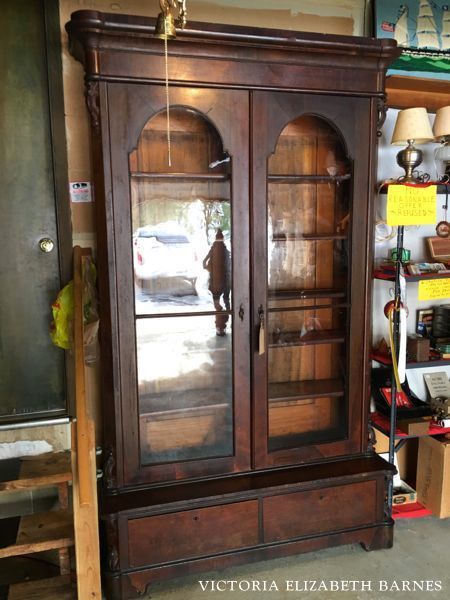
(319, 511)
(190, 533)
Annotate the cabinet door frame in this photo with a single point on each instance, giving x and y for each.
(129, 107)
(354, 119)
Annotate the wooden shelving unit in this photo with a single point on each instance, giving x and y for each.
(276, 459)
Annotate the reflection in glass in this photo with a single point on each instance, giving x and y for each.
(308, 227)
(185, 389)
(218, 264)
(181, 244)
(177, 212)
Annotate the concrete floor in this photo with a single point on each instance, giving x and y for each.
(421, 553)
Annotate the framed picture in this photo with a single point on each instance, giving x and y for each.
(422, 29)
(424, 321)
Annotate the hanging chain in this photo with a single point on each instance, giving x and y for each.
(166, 63)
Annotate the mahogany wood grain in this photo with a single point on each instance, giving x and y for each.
(170, 537)
(132, 585)
(328, 509)
(248, 85)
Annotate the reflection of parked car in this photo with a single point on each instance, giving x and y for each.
(164, 259)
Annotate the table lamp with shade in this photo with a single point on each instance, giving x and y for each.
(411, 127)
(441, 130)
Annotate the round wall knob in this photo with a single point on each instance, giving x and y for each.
(46, 245)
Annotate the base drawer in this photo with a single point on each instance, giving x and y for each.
(318, 511)
(190, 533)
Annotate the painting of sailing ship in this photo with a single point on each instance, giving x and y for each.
(422, 30)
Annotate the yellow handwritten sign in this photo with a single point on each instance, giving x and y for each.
(434, 289)
(411, 205)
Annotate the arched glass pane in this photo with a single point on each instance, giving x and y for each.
(308, 228)
(178, 212)
(182, 262)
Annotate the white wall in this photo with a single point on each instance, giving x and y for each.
(414, 240)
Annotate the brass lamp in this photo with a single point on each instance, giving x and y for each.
(412, 127)
(441, 130)
(166, 23)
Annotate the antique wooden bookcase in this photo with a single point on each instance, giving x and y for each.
(234, 289)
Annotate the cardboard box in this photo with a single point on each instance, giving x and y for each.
(433, 475)
(418, 426)
(404, 495)
(418, 348)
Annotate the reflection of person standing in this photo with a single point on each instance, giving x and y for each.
(218, 263)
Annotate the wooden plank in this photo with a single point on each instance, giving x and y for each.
(86, 494)
(56, 588)
(87, 547)
(84, 467)
(290, 390)
(40, 532)
(40, 471)
(406, 92)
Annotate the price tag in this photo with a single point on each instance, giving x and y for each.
(411, 205)
(434, 289)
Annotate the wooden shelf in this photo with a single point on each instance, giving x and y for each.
(54, 588)
(306, 237)
(434, 361)
(312, 338)
(39, 532)
(305, 294)
(196, 177)
(297, 390)
(382, 423)
(285, 309)
(307, 178)
(379, 274)
(407, 92)
(35, 471)
(442, 188)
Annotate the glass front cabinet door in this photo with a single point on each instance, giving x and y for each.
(182, 226)
(308, 296)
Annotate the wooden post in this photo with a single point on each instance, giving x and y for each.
(80, 383)
(84, 467)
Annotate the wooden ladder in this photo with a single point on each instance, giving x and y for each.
(40, 532)
(60, 529)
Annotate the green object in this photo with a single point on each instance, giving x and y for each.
(445, 348)
(405, 255)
